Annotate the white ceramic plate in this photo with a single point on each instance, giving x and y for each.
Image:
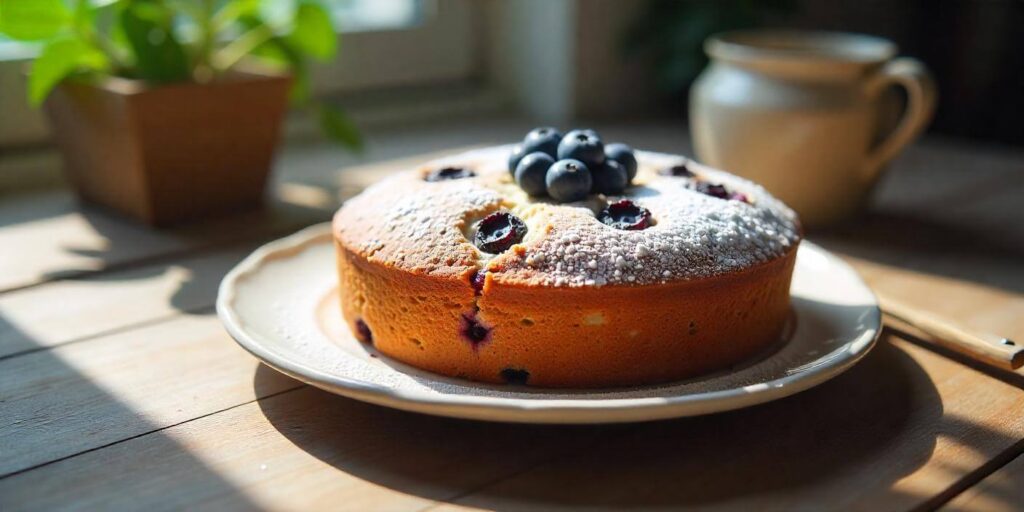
(280, 304)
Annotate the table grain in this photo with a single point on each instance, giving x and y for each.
(120, 390)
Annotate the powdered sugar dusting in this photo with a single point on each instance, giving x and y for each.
(695, 236)
(407, 222)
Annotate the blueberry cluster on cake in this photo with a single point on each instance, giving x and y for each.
(565, 262)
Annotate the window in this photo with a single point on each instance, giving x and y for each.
(400, 42)
(362, 15)
(15, 50)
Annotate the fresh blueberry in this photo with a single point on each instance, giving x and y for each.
(499, 231)
(712, 189)
(625, 214)
(610, 178)
(739, 196)
(477, 281)
(582, 145)
(622, 154)
(544, 139)
(531, 172)
(678, 171)
(363, 330)
(568, 180)
(514, 157)
(720, 191)
(473, 330)
(450, 173)
(515, 376)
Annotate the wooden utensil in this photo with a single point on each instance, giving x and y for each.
(986, 348)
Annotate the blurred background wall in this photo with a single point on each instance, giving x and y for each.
(639, 58)
(403, 61)
(974, 48)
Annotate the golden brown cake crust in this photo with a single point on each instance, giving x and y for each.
(577, 303)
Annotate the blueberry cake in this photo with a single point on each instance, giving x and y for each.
(566, 262)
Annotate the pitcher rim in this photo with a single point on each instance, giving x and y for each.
(795, 45)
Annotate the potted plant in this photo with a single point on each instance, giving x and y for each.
(169, 110)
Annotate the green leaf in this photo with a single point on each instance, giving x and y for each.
(159, 57)
(301, 85)
(233, 12)
(58, 60)
(340, 127)
(280, 52)
(313, 31)
(33, 20)
(83, 13)
(273, 51)
(241, 47)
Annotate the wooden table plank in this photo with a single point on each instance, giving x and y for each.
(901, 426)
(890, 434)
(94, 303)
(74, 309)
(56, 238)
(81, 396)
(944, 229)
(1002, 491)
(167, 411)
(104, 302)
(301, 450)
(977, 307)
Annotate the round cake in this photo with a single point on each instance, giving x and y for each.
(453, 268)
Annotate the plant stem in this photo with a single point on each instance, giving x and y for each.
(226, 15)
(90, 36)
(239, 48)
(203, 70)
(108, 49)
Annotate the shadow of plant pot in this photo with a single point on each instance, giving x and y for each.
(174, 153)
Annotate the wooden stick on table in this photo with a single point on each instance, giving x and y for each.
(985, 348)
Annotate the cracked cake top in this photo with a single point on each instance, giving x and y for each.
(677, 221)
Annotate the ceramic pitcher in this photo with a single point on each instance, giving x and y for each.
(804, 114)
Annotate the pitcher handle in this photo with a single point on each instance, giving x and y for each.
(913, 76)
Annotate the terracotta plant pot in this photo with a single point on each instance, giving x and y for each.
(174, 153)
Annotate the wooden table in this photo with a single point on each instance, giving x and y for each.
(120, 390)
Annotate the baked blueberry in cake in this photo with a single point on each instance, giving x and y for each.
(566, 262)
